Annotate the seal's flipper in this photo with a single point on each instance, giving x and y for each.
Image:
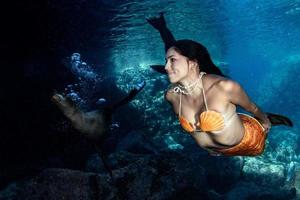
(276, 119)
(128, 98)
(159, 68)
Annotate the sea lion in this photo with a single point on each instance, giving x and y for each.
(93, 124)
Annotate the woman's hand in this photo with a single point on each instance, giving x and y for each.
(266, 123)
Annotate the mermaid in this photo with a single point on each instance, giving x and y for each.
(205, 100)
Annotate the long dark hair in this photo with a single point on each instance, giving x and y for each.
(196, 51)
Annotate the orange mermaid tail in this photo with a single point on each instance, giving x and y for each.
(253, 142)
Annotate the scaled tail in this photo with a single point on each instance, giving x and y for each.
(279, 120)
(159, 23)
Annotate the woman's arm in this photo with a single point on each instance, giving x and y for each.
(238, 96)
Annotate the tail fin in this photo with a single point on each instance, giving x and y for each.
(279, 120)
(128, 98)
(159, 23)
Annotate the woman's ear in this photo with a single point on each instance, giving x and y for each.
(193, 64)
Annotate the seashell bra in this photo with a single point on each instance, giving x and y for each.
(209, 120)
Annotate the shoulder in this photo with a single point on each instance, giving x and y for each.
(170, 95)
(229, 86)
(222, 83)
(212, 80)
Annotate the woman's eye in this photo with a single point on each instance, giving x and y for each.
(172, 59)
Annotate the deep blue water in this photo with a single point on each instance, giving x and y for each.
(255, 42)
(252, 37)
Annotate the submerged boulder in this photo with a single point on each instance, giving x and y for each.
(263, 173)
(67, 184)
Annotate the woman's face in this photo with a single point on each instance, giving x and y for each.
(177, 66)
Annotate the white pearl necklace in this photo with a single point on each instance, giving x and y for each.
(188, 90)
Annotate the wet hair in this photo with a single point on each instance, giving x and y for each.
(197, 52)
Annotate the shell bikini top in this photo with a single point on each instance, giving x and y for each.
(209, 120)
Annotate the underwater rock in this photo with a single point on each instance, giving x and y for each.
(263, 173)
(10, 192)
(157, 177)
(167, 175)
(171, 143)
(296, 181)
(290, 172)
(95, 164)
(249, 190)
(242, 191)
(221, 172)
(164, 176)
(67, 184)
(284, 144)
(137, 142)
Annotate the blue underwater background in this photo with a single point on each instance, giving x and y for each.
(255, 42)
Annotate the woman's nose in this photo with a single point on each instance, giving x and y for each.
(167, 66)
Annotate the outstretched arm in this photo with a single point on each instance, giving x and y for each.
(159, 24)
